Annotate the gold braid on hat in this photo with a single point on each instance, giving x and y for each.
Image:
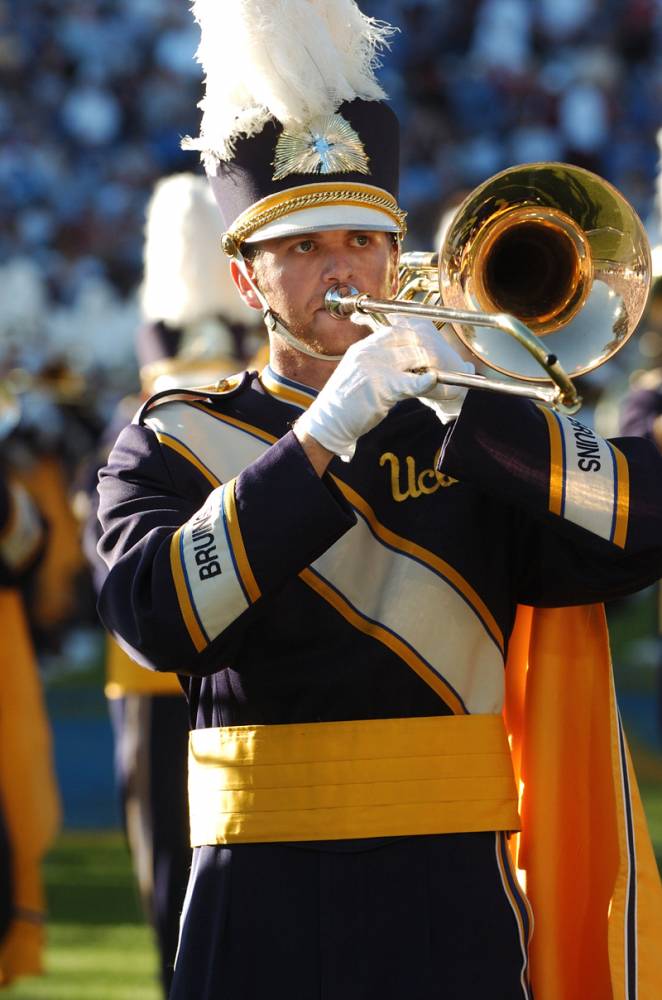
(284, 203)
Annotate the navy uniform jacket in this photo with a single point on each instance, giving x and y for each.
(388, 587)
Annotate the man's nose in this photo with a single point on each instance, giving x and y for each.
(338, 268)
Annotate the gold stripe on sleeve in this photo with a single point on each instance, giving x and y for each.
(555, 462)
(622, 498)
(238, 548)
(185, 606)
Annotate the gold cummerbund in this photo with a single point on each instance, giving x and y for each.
(337, 780)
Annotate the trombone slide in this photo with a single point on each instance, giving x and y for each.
(343, 300)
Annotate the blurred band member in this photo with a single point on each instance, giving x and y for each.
(641, 411)
(29, 803)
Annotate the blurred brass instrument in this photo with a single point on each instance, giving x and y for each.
(550, 255)
(10, 409)
(59, 383)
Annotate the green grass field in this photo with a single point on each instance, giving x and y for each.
(98, 945)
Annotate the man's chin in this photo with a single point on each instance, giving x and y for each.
(332, 336)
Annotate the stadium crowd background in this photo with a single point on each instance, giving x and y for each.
(95, 96)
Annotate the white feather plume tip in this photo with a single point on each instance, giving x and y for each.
(291, 60)
(186, 275)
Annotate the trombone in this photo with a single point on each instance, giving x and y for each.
(542, 263)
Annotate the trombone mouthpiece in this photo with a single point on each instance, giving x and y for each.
(340, 301)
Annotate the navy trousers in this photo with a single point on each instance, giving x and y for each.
(412, 918)
(151, 745)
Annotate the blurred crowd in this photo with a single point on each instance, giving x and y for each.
(485, 84)
(95, 96)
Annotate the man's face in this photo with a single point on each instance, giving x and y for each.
(294, 274)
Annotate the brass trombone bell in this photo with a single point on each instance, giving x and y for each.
(557, 247)
(547, 253)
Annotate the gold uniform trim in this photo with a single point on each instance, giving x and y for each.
(389, 639)
(224, 418)
(277, 206)
(243, 566)
(556, 464)
(622, 497)
(198, 639)
(519, 905)
(338, 780)
(440, 566)
(176, 445)
(286, 392)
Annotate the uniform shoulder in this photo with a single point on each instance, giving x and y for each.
(228, 387)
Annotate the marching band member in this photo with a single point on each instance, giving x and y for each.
(331, 555)
(29, 803)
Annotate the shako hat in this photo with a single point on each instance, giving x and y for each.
(185, 279)
(195, 322)
(295, 135)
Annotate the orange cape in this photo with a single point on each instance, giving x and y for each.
(584, 852)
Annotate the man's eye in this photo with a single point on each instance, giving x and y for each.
(304, 246)
(361, 240)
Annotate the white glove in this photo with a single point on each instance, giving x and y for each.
(376, 373)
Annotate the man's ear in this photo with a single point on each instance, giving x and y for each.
(244, 286)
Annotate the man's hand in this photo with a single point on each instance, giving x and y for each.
(390, 365)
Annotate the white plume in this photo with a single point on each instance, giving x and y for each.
(290, 60)
(186, 274)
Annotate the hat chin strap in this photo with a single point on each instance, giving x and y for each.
(275, 324)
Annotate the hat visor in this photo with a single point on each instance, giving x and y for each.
(326, 217)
